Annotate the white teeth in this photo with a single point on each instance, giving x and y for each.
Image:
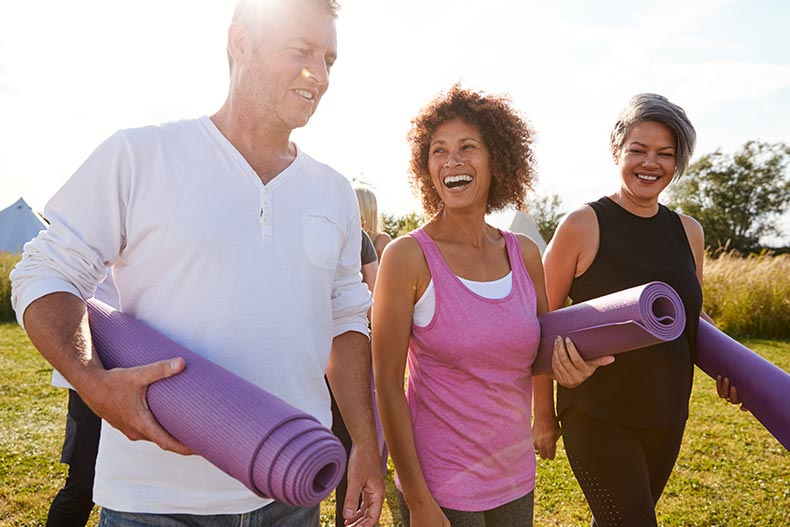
(460, 178)
(306, 94)
(646, 177)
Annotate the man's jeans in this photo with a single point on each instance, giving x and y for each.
(273, 515)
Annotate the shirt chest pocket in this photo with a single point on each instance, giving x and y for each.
(322, 240)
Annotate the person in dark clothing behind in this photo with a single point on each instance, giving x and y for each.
(370, 266)
(73, 503)
(622, 427)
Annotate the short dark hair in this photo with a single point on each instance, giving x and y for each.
(507, 134)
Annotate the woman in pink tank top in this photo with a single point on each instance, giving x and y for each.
(458, 301)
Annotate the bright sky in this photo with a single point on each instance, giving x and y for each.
(71, 73)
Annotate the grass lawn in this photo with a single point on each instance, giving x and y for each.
(731, 471)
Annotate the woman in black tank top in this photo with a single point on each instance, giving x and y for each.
(622, 427)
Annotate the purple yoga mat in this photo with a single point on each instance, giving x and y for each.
(274, 449)
(623, 321)
(762, 387)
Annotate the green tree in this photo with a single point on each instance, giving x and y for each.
(736, 197)
(545, 210)
(399, 225)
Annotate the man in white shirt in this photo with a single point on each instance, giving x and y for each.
(227, 238)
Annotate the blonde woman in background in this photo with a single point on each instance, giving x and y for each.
(371, 220)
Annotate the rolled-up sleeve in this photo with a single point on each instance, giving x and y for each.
(351, 298)
(85, 232)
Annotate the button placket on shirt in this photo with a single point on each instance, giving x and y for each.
(266, 213)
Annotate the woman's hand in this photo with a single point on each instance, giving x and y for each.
(427, 514)
(570, 369)
(728, 392)
(545, 432)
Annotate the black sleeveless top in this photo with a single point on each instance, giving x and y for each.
(649, 386)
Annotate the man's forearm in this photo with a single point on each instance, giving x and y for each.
(349, 377)
(57, 325)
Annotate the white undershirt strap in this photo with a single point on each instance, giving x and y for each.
(426, 305)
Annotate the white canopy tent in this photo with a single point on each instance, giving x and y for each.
(18, 225)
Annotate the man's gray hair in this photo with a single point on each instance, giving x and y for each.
(251, 10)
(650, 107)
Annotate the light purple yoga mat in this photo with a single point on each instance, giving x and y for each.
(274, 449)
(623, 321)
(762, 387)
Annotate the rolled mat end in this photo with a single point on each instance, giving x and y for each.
(623, 321)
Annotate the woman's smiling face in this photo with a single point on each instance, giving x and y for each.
(459, 163)
(646, 161)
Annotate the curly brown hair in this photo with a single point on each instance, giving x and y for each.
(507, 134)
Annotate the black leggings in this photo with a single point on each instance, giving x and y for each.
(622, 470)
(73, 503)
(517, 513)
(341, 432)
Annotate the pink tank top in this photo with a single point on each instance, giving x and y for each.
(470, 387)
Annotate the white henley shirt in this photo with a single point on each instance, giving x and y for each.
(257, 278)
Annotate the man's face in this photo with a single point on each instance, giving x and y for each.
(286, 74)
